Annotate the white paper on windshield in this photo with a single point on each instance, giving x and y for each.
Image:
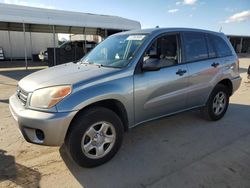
(135, 37)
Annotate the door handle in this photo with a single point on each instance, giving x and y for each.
(180, 72)
(215, 64)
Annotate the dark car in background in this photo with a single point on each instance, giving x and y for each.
(74, 50)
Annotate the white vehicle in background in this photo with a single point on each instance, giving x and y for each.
(43, 55)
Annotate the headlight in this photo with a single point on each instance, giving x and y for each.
(50, 96)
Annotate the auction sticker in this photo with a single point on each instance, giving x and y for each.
(135, 37)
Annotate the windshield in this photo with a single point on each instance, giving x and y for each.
(115, 51)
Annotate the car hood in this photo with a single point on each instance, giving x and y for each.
(69, 73)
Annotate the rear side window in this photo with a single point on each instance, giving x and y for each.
(195, 46)
(221, 46)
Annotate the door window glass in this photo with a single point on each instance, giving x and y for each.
(195, 46)
(211, 50)
(163, 52)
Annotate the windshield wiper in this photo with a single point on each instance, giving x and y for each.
(91, 63)
(97, 64)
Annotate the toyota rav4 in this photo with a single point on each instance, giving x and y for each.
(130, 78)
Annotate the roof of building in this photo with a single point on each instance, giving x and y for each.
(30, 15)
(239, 36)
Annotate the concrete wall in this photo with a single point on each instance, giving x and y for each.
(39, 41)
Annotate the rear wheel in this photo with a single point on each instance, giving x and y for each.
(95, 137)
(217, 103)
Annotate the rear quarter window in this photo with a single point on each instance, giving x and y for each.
(195, 46)
(220, 45)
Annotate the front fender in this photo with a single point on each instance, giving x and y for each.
(120, 89)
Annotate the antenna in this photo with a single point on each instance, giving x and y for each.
(220, 29)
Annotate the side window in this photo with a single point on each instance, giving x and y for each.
(163, 52)
(221, 46)
(211, 49)
(195, 46)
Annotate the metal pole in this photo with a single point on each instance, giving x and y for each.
(54, 42)
(70, 33)
(106, 33)
(31, 47)
(25, 47)
(84, 34)
(10, 46)
(83, 46)
(235, 44)
(241, 41)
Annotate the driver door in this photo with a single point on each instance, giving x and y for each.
(164, 91)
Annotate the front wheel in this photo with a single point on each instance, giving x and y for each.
(217, 103)
(95, 137)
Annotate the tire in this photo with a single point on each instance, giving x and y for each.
(210, 111)
(94, 128)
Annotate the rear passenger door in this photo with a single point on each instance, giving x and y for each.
(203, 67)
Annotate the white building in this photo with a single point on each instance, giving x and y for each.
(26, 30)
(13, 45)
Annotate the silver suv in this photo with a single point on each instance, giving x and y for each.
(130, 78)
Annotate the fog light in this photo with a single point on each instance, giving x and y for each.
(40, 134)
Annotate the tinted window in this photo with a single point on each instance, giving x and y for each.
(211, 49)
(163, 52)
(221, 46)
(195, 46)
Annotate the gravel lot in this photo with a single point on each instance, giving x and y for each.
(178, 151)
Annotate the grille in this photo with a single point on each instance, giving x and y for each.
(22, 95)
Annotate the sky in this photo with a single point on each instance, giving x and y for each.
(229, 16)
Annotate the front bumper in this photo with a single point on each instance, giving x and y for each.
(53, 125)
